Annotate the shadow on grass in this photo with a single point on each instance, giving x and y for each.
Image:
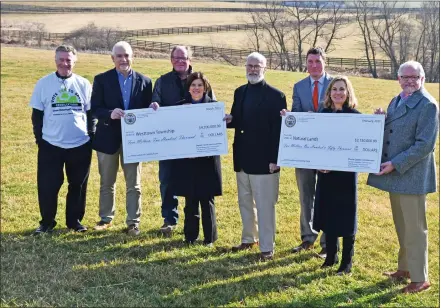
(158, 271)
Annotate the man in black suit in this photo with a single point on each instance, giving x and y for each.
(255, 116)
(113, 92)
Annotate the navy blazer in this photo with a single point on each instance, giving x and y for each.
(256, 142)
(106, 96)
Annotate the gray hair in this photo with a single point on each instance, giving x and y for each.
(257, 56)
(124, 45)
(413, 64)
(182, 47)
(66, 48)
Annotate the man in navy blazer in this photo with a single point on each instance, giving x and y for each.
(113, 92)
(308, 95)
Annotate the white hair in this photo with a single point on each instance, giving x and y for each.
(257, 56)
(124, 45)
(413, 64)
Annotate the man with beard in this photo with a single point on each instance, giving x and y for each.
(255, 117)
(408, 171)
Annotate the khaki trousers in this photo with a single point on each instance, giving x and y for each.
(258, 194)
(108, 165)
(409, 214)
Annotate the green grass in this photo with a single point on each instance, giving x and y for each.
(112, 269)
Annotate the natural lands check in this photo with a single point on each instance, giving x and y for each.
(331, 141)
(174, 132)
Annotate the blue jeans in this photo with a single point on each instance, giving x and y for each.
(169, 206)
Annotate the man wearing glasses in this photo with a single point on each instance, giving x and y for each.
(408, 171)
(255, 117)
(168, 90)
(114, 92)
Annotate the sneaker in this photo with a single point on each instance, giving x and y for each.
(167, 229)
(45, 228)
(78, 228)
(133, 230)
(102, 225)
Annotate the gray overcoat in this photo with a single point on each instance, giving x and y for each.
(410, 134)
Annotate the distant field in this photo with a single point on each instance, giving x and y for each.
(348, 47)
(136, 4)
(124, 21)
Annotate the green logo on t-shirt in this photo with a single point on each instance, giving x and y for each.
(66, 98)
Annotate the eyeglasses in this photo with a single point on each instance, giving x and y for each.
(182, 59)
(254, 67)
(412, 78)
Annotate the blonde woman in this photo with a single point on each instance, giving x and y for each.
(335, 208)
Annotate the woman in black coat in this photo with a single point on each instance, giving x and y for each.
(198, 179)
(335, 207)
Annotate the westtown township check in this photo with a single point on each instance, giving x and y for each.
(174, 132)
(331, 141)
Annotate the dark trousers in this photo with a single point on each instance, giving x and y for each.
(191, 222)
(169, 206)
(332, 248)
(50, 177)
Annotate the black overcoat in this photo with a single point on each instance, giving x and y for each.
(199, 177)
(256, 141)
(335, 205)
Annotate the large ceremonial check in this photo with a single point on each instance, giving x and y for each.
(331, 141)
(174, 132)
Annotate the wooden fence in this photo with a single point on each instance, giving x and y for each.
(273, 59)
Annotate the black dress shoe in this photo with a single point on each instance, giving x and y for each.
(344, 268)
(45, 228)
(78, 228)
(330, 262)
(303, 246)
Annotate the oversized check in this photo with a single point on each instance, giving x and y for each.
(331, 141)
(174, 132)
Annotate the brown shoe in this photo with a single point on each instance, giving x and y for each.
(415, 287)
(133, 230)
(302, 246)
(102, 225)
(398, 275)
(266, 256)
(244, 246)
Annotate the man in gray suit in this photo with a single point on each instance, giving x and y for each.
(408, 171)
(308, 96)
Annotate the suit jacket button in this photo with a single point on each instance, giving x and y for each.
(387, 142)
(385, 154)
(241, 131)
(391, 131)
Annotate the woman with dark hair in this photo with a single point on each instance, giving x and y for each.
(335, 207)
(198, 179)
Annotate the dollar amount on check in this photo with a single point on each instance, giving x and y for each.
(331, 141)
(174, 132)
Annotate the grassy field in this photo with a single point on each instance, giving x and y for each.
(112, 269)
(123, 21)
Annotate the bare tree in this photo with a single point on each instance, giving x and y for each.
(387, 28)
(363, 9)
(427, 49)
(255, 33)
(337, 20)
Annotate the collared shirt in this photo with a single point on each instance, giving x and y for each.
(403, 98)
(125, 84)
(320, 86)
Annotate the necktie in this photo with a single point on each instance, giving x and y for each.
(315, 95)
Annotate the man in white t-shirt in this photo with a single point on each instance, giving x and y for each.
(63, 127)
